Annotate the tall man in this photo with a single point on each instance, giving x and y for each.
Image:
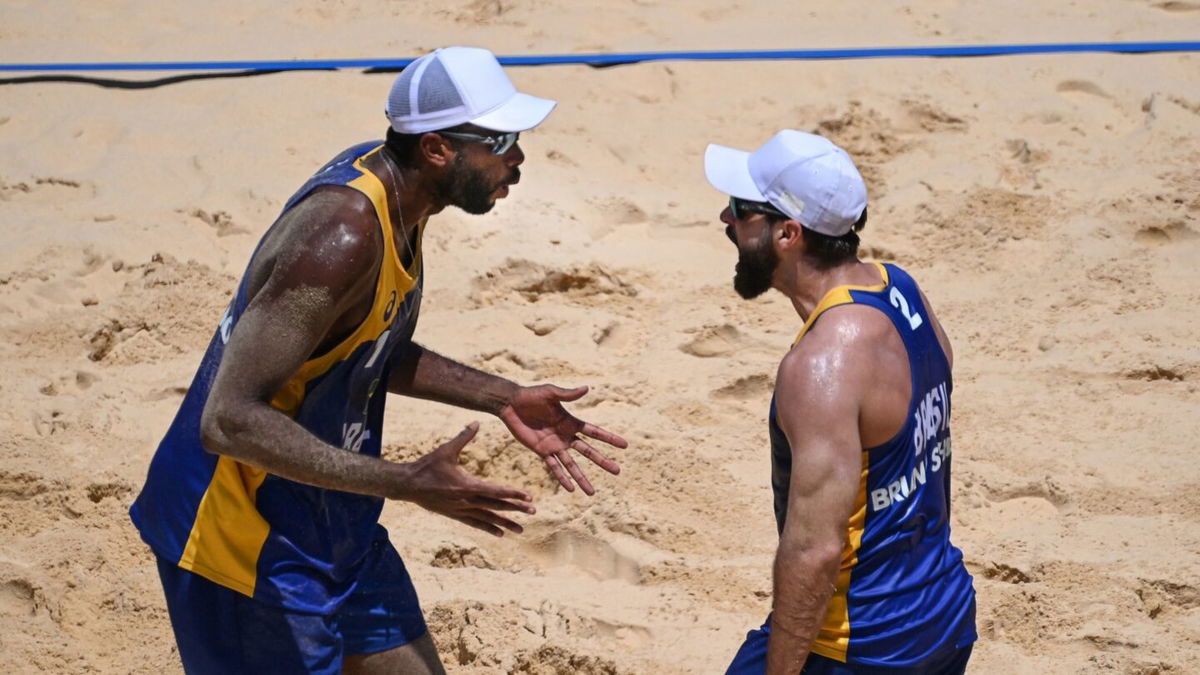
(866, 579)
(262, 501)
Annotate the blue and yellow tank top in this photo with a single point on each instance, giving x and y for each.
(278, 541)
(902, 593)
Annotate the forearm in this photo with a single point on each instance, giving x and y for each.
(422, 373)
(259, 435)
(804, 583)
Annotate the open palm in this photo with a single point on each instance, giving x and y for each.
(536, 417)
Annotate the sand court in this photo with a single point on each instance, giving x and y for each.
(1048, 205)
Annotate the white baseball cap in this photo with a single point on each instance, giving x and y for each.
(457, 85)
(803, 175)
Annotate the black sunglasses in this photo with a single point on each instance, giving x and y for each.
(740, 207)
(500, 143)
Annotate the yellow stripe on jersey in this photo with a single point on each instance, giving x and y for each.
(392, 276)
(228, 533)
(833, 640)
(840, 295)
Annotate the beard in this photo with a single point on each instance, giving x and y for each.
(468, 188)
(755, 267)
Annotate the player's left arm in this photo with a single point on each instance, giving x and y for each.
(818, 398)
(534, 415)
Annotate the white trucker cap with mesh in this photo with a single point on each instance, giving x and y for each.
(457, 85)
(803, 175)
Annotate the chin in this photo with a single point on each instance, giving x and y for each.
(476, 208)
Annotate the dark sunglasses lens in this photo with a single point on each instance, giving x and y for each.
(740, 208)
(504, 142)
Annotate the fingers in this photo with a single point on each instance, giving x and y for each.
(492, 523)
(568, 462)
(500, 492)
(597, 458)
(494, 504)
(479, 525)
(495, 520)
(593, 431)
(456, 444)
(569, 394)
(559, 474)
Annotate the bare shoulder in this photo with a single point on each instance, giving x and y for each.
(331, 240)
(837, 355)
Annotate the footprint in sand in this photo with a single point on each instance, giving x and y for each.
(1162, 235)
(534, 281)
(110, 334)
(543, 325)
(584, 553)
(69, 384)
(624, 212)
(1154, 373)
(614, 335)
(1081, 87)
(98, 492)
(90, 263)
(163, 393)
(745, 388)
(557, 659)
(18, 599)
(715, 341)
(220, 221)
(626, 634)
(1178, 6)
(1025, 153)
(49, 190)
(614, 212)
(22, 486)
(1007, 573)
(49, 422)
(1043, 497)
(1158, 595)
(454, 555)
(559, 158)
(925, 116)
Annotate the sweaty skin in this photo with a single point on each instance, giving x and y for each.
(311, 283)
(843, 387)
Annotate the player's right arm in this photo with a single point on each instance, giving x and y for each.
(818, 390)
(317, 269)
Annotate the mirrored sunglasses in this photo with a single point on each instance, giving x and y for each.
(499, 143)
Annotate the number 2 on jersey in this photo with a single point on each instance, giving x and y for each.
(899, 302)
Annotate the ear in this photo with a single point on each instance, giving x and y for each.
(436, 150)
(788, 236)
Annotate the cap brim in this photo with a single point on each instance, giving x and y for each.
(522, 112)
(728, 170)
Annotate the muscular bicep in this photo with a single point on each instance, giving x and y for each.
(321, 267)
(818, 404)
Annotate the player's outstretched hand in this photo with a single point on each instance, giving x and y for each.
(536, 418)
(439, 484)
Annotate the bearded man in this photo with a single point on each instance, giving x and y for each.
(263, 500)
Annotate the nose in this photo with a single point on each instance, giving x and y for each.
(515, 156)
(727, 216)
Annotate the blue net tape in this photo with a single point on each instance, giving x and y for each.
(625, 58)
